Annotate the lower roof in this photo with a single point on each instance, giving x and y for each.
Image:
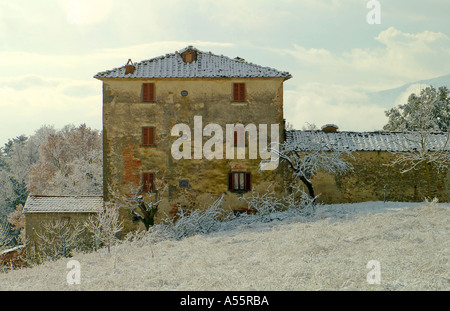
(365, 141)
(63, 204)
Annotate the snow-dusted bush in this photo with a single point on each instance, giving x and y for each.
(265, 206)
(56, 239)
(104, 226)
(268, 203)
(198, 221)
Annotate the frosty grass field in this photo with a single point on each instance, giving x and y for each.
(328, 251)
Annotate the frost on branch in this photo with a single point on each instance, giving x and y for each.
(266, 206)
(56, 239)
(197, 221)
(143, 206)
(5, 237)
(308, 159)
(424, 123)
(104, 226)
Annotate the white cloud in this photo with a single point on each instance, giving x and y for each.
(401, 58)
(321, 104)
(31, 101)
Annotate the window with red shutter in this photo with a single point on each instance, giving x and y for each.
(148, 136)
(148, 92)
(148, 182)
(239, 92)
(239, 181)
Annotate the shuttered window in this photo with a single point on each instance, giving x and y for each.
(239, 92)
(148, 182)
(239, 181)
(148, 92)
(148, 136)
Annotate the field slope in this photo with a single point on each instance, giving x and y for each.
(329, 251)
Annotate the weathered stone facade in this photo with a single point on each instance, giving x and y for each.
(41, 210)
(176, 101)
(35, 222)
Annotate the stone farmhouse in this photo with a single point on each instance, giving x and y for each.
(143, 101)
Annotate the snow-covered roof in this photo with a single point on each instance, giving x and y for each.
(365, 141)
(206, 65)
(63, 204)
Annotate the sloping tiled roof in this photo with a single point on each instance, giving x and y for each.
(63, 204)
(207, 65)
(364, 141)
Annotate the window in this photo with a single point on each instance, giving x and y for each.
(148, 182)
(239, 181)
(148, 136)
(239, 92)
(148, 92)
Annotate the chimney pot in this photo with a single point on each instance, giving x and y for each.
(330, 128)
(129, 67)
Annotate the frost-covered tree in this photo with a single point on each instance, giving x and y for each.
(425, 123)
(16, 158)
(17, 221)
(312, 156)
(57, 238)
(70, 163)
(5, 235)
(430, 110)
(104, 225)
(143, 206)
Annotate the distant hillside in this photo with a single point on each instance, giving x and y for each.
(392, 97)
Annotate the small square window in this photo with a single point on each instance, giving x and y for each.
(239, 181)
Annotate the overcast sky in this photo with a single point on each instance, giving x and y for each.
(51, 49)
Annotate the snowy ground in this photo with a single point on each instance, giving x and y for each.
(328, 251)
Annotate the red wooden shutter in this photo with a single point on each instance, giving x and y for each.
(151, 136)
(242, 92)
(145, 136)
(148, 92)
(239, 92)
(248, 181)
(148, 136)
(230, 181)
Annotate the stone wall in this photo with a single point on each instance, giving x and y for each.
(373, 180)
(37, 221)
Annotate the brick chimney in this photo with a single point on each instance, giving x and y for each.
(129, 67)
(330, 128)
(189, 55)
